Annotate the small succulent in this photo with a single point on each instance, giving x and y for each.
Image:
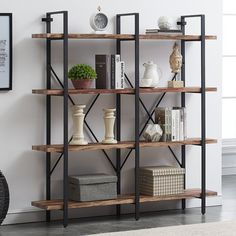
(82, 71)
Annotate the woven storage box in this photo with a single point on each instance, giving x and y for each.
(92, 187)
(161, 180)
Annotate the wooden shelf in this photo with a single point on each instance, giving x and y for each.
(125, 199)
(120, 145)
(59, 92)
(126, 36)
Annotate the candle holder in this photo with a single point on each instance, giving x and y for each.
(78, 120)
(109, 121)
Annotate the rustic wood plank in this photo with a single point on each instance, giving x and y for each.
(126, 36)
(120, 145)
(123, 199)
(59, 92)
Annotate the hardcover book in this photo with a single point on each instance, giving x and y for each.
(103, 69)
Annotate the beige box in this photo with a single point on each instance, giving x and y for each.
(161, 180)
(175, 84)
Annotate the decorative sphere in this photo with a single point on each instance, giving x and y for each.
(165, 23)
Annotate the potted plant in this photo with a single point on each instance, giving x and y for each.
(82, 76)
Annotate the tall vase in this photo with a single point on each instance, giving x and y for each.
(78, 120)
(109, 121)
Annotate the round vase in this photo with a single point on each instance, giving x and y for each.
(109, 121)
(82, 83)
(78, 120)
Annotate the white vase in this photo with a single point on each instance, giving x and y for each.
(109, 121)
(78, 119)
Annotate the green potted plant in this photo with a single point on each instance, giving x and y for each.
(82, 76)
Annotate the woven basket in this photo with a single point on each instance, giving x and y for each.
(4, 197)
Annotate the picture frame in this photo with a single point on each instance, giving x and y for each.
(6, 51)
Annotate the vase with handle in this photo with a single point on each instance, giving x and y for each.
(152, 75)
(78, 120)
(109, 121)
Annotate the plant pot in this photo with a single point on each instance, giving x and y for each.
(82, 83)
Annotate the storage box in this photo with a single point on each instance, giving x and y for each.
(92, 187)
(161, 180)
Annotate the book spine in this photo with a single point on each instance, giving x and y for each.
(115, 59)
(112, 71)
(102, 64)
(181, 124)
(169, 110)
(122, 64)
(177, 126)
(118, 75)
(173, 125)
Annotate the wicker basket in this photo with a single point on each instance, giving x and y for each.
(161, 180)
(4, 197)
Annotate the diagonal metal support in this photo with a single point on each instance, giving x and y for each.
(176, 158)
(150, 118)
(85, 122)
(126, 158)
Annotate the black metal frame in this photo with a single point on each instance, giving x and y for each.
(10, 51)
(119, 165)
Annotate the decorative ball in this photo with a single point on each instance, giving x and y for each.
(165, 23)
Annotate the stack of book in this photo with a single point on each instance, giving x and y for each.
(173, 123)
(158, 31)
(110, 72)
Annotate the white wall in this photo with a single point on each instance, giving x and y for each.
(22, 120)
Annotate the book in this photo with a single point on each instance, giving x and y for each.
(122, 85)
(103, 68)
(115, 70)
(162, 118)
(172, 122)
(158, 31)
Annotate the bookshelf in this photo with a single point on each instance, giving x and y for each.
(63, 149)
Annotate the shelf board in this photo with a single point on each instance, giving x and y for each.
(126, 36)
(120, 145)
(125, 199)
(59, 92)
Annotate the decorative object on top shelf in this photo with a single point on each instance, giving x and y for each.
(82, 76)
(151, 76)
(109, 121)
(165, 22)
(99, 21)
(176, 61)
(153, 133)
(4, 197)
(78, 120)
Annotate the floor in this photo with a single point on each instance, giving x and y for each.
(148, 220)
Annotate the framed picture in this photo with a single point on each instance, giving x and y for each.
(5, 51)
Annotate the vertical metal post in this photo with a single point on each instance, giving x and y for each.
(183, 148)
(118, 124)
(48, 116)
(137, 192)
(65, 118)
(203, 115)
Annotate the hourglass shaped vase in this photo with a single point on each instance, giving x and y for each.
(109, 121)
(78, 120)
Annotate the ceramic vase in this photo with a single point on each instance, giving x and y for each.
(78, 120)
(109, 121)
